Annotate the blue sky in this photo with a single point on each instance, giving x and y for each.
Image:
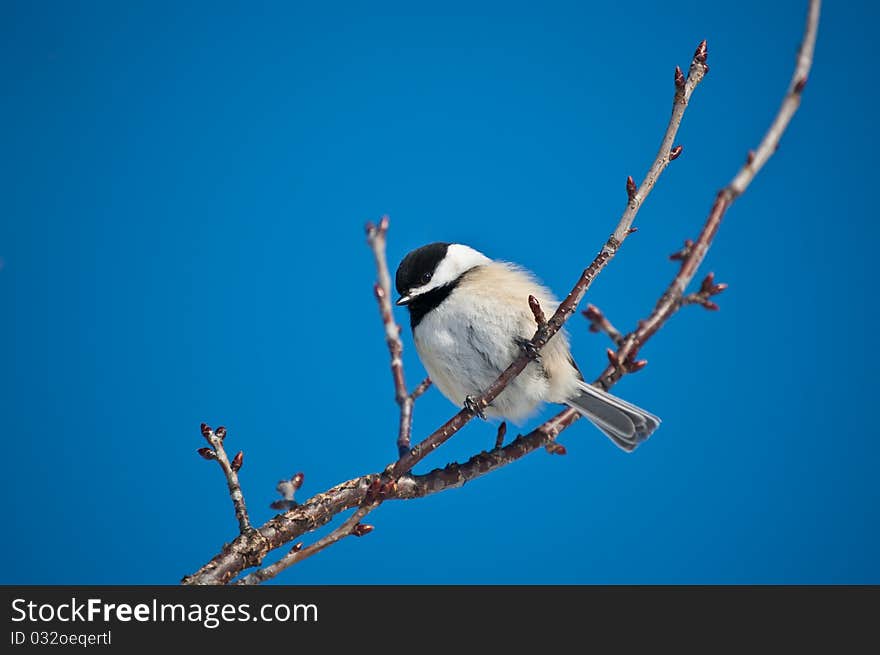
(184, 190)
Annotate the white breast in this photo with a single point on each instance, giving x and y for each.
(470, 338)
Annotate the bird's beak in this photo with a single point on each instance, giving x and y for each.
(404, 300)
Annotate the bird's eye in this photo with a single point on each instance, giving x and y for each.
(426, 278)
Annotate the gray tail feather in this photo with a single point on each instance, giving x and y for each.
(625, 424)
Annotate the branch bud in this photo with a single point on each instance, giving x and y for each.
(207, 453)
(630, 188)
(674, 153)
(555, 448)
(499, 438)
(297, 547)
(636, 365)
(206, 431)
(679, 78)
(708, 283)
(538, 313)
(297, 480)
(799, 85)
(220, 432)
(612, 358)
(237, 461)
(684, 252)
(361, 529)
(711, 306)
(702, 52)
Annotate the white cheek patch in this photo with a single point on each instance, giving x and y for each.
(459, 259)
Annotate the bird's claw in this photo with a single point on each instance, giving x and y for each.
(472, 406)
(528, 348)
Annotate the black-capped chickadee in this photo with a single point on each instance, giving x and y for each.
(470, 318)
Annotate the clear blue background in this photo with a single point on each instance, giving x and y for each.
(184, 193)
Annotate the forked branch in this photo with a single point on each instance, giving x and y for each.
(397, 482)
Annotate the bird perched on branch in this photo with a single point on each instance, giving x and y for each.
(470, 318)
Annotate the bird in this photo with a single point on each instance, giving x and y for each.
(470, 319)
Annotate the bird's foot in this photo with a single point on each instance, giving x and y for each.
(473, 406)
(528, 348)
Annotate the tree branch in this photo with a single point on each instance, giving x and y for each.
(376, 238)
(230, 470)
(692, 255)
(397, 484)
(351, 526)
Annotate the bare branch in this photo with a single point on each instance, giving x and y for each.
(227, 564)
(707, 289)
(684, 87)
(599, 323)
(230, 470)
(366, 491)
(421, 388)
(351, 526)
(692, 255)
(376, 238)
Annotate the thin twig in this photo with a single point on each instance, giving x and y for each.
(694, 252)
(298, 554)
(376, 238)
(600, 323)
(684, 87)
(230, 470)
(421, 388)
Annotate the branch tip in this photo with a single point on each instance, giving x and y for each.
(362, 529)
(499, 438)
(684, 253)
(206, 431)
(207, 453)
(702, 52)
(422, 387)
(612, 357)
(555, 448)
(679, 78)
(537, 312)
(636, 365)
(630, 188)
